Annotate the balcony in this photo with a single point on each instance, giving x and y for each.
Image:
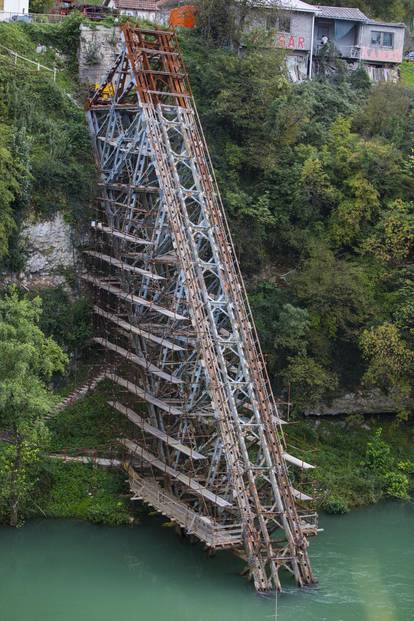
(339, 51)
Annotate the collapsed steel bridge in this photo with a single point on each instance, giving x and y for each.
(207, 449)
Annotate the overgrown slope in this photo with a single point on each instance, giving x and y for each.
(45, 154)
(318, 181)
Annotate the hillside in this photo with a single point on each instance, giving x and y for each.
(317, 180)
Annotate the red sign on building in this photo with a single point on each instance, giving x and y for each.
(290, 42)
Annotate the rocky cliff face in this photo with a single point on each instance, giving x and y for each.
(98, 49)
(49, 250)
(368, 402)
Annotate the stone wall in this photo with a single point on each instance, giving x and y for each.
(98, 49)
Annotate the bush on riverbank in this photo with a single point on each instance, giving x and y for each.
(93, 493)
(348, 473)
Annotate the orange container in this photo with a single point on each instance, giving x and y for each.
(184, 16)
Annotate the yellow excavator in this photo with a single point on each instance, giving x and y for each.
(107, 92)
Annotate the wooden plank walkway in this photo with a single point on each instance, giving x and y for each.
(122, 265)
(144, 394)
(157, 433)
(132, 299)
(79, 393)
(142, 362)
(192, 484)
(106, 462)
(214, 535)
(138, 331)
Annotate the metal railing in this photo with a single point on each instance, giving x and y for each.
(333, 49)
(12, 16)
(38, 65)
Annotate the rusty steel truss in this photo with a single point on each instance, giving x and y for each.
(207, 447)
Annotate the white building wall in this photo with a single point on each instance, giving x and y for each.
(378, 54)
(157, 17)
(13, 7)
(300, 35)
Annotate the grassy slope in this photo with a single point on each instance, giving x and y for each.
(77, 490)
(407, 74)
(338, 447)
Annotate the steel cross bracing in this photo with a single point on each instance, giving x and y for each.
(207, 447)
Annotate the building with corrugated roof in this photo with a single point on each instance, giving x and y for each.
(143, 9)
(347, 33)
(314, 36)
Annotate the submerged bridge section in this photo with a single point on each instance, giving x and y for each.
(206, 446)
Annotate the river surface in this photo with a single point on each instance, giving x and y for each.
(73, 571)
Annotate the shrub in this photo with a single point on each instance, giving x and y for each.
(397, 485)
(335, 505)
(378, 454)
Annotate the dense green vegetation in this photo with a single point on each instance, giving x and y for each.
(318, 183)
(407, 74)
(28, 360)
(31, 483)
(360, 461)
(45, 157)
(317, 180)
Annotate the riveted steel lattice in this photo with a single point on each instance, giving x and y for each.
(208, 448)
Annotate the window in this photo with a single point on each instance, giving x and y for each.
(375, 38)
(382, 39)
(284, 23)
(272, 22)
(281, 23)
(387, 39)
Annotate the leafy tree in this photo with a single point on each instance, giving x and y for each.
(310, 382)
(390, 359)
(67, 321)
(283, 327)
(392, 240)
(379, 459)
(392, 10)
(388, 112)
(337, 293)
(10, 172)
(40, 6)
(223, 22)
(216, 21)
(28, 359)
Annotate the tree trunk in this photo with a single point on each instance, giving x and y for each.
(14, 499)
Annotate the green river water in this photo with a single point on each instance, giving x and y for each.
(73, 571)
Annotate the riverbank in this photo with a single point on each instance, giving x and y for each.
(355, 466)
(347, 475)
